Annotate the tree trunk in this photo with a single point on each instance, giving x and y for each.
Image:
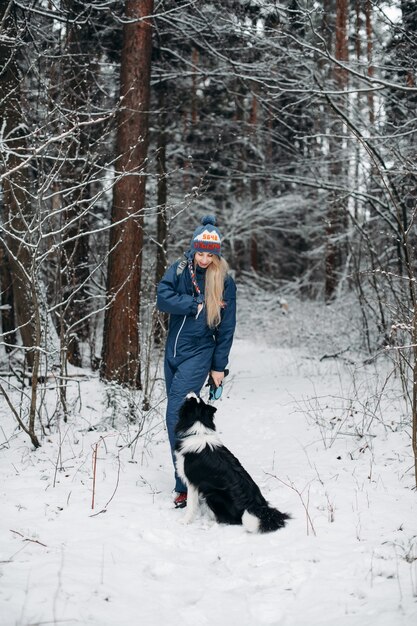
(7, 309)
(336, 214)
(16, 196)
(253, 122)
(162, 227)
(161, 319)
(120, 358)
(76, 79)
(195, 57)
(369, 54)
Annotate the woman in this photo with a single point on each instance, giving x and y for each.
(200, 297)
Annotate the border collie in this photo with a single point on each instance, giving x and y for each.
(211, 471)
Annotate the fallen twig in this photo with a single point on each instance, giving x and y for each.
(16, 532)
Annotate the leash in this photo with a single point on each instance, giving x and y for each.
(215, 393)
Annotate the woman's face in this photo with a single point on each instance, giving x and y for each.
(203, 259)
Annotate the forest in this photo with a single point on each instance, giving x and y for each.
(293, 121)
(122, 124)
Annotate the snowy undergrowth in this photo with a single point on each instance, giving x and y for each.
(327, 440)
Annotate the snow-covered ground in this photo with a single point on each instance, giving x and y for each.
(317, 435)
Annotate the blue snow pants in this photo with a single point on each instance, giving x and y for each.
(184, 374)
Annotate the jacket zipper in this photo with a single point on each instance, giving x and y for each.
(178, 334)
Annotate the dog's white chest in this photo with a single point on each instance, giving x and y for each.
(196, 443)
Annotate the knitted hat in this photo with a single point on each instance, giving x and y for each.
(206, 238)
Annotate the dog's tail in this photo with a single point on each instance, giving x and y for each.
(263, 519)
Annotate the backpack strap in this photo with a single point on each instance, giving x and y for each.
(181, 265)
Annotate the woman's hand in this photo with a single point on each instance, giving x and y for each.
(217, 377)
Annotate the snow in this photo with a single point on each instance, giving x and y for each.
(328, 441)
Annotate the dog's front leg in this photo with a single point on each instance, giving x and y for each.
(192, 505)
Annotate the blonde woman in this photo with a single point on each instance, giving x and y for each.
(200, 297)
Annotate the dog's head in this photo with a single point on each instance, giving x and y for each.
(194, 410)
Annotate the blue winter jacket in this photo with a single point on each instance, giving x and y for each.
(176, 296)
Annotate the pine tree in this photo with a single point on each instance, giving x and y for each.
(120, 359)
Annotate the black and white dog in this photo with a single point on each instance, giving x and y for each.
(211, 471)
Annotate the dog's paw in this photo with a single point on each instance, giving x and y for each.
(186, 520)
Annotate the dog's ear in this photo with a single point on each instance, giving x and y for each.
(206, 416)
(186, 414)
(209, 409)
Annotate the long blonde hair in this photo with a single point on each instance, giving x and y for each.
(215, 277)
